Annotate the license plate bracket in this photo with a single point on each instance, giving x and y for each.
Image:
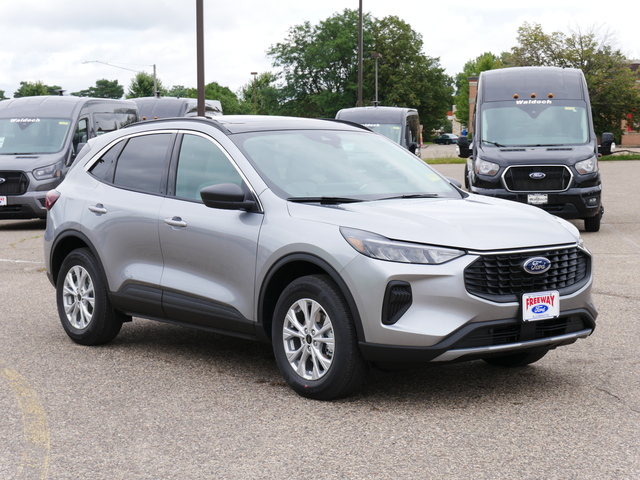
(540, 306)
(537, 199)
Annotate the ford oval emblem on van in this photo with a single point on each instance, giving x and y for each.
(537, 175)
(536, 265)
(2, 180)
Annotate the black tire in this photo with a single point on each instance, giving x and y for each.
(84, 308)
(315, 341)
(466, 177)
(517, 359)
(592, 224)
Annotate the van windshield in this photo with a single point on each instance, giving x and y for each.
(534, 123)
(389, 130)
(28, 135)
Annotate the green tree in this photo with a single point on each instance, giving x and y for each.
(177, 91)
(486, 61)
(2, 97)
(319, 68)
(611, 83)
(142, 86)
(261, 95)
(104, 89)
(230, 103)
(406, 77)
(32, 89)
(320, 65)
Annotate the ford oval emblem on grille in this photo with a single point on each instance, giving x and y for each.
(2, 180)
(536, 265)
(537, 175)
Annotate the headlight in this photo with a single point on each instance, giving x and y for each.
(382, 248)
(587, 166)
(486, 168)
(50, 171)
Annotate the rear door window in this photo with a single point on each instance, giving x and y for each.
(142, 165)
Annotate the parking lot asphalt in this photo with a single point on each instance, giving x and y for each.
(163, 402)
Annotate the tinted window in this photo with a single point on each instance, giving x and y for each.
(142, 164)
(82, 133)
(103, 169)
(201, 164)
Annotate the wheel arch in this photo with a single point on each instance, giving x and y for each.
(286, 270)
(64, 244)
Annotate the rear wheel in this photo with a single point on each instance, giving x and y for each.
(85, 311)
(516, 359)
(314, 340)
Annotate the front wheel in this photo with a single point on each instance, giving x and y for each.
(85, 311)
(314, 340)
(592, 224)
(516, 359)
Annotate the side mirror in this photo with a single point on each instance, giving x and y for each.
(606, 145)
(463, 147)
(454, 182)
(413, 147)
(227, 196)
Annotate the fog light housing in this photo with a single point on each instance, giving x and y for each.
(397, 300)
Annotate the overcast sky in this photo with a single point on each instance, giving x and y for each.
(51, 40)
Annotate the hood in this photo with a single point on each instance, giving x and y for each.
(475, 223)
(29, 161)
(559, 154)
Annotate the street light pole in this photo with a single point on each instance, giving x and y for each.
(255, 98)
(376, 56)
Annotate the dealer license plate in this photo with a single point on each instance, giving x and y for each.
(538, 199)
(540, 306)
(3, 201)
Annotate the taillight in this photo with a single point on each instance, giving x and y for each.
(51, 198)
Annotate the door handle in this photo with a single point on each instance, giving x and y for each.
(175, 222)
(98, 208)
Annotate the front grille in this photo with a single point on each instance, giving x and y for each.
(557, 178)
(494, 335)
(15, 183)
(501, 278)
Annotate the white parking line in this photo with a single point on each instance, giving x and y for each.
(8, 260)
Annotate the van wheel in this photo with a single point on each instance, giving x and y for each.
(84, 308)
(314, 340)
(516, 359)
(592, 224)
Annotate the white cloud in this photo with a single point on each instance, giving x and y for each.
(49, 41)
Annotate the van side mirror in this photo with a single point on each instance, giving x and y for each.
(607, 145)
(413, 147)
(463, 147)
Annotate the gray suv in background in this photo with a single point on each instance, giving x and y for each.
(333, 243)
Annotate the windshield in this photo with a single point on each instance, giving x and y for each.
(26, 135)
(336, 164)
(534, 122)
(392, 131)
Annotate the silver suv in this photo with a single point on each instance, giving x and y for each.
(330, 241)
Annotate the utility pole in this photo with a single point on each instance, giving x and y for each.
(360, 47)
(200, 54)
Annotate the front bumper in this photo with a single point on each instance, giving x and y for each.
(486, 339)
(570, 204)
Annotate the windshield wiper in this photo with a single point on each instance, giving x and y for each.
(412, 195)
(494, 143)
(325, 200)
